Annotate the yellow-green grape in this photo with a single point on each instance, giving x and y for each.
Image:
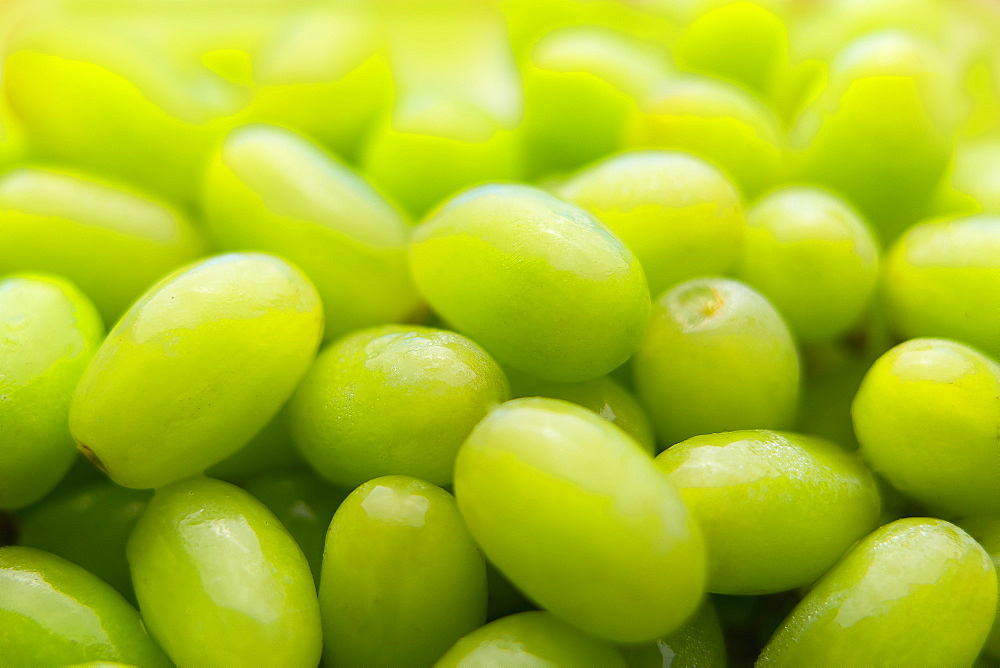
(986, 531)
(697, 644)
(226, 340)
(813, 257)
(533, 639)
(776, 509)
(718, 338)
(272, 449)
(54, 613)
(48, 332)
(927, 417)
(220, 582)
(574, 512)
(397, 399)
(716, 121)
(943, 279)
(680, 216)
(541, 284)
(402, 579)
(917, 592)
(977, 173)
(111, 242)
(270, 189)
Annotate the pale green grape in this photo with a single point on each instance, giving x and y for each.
(402, 579)
(719, 339)
(927, 416)
(111, 242)
(697, 644)
(54, 613)
(542, 285)
(270, 189)
(220, 582)
(917, 592)
(575, 514)
(48, 333)
(196, 368)
(776, 509)
(397, 399)
(986, 530)
(680, 216)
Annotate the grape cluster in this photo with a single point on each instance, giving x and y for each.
(499, 333)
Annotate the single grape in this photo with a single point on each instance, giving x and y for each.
(48, 332)
(697, 644)
(220, 582)
(542, 285)
(986, 531)
(216, 348)
(270, 451)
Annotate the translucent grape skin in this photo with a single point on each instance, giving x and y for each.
(916, 592)
(813, 257)
(220, 581)
(402, 579)
(927, 416)
(187, 344)
(680, 215)
(986, 531)
(54, 613)
(776, 509)
(539, 283)
(718, 338)
(533, 639)
(697, 644)
(943, 280)
(396, 399)
(271, 189)
(575, 514)
(49, 330)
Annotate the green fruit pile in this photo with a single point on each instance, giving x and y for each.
(497, 333)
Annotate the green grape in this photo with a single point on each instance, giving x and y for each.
(697, 644)
(48, 332)
(531, 640)
(220, 582)
(217, 347)
(776, 509)
(713, 337)
(303, 504)
(926, 417)
(542, 285)
(605, 396)
(986, 530)
(108, 240)
(716, 121)
(977, 173)
(270, 450)
(680, 216)
(54, 613)
(269, 189)
(813, 258)
(402, 579)
(90, 527)
(917, 592)
(397, 399)
(943, 279)
(574, 513)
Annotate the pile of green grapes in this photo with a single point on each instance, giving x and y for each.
(499, 333)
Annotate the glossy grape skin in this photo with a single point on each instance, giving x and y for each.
(986, 531)
(88, 527)
(943, 279)
(269, 451)
(697, 644)
(539, 283)
(194, 333)
(719, 338)
(916, 592)
(926, 417)
(49, 331)
(533, 639)
(402, 579)
(110, 241)
(575, 514)
(776, 509)
(813, 257)
(396, 399)
(53, 613)
(271, 189)
(680, 215)
(220, 582)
